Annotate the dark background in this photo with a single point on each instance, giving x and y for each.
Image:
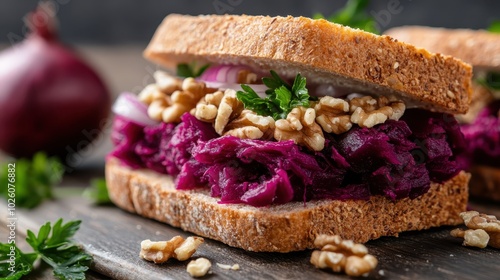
(134, 21)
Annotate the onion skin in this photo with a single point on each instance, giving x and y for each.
(50, 100)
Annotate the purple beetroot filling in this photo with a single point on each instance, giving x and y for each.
(483, 136)
(397, 159)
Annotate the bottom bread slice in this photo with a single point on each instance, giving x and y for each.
(485, 182)
(282, 228)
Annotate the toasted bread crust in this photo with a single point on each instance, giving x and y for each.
(321, 51)
(282, 228)
(477, 47)
(485, 182)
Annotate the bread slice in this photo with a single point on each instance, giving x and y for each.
(481, 97)
(477, 47)
(485, 182)
(322, 51)
(282, 228)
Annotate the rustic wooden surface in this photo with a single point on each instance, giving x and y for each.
(113, 237)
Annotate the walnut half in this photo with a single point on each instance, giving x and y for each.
(301, 127)
(367, 111)
(177, 247)
(342, 255)
(483, 230)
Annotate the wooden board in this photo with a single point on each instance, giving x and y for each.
(113, 237)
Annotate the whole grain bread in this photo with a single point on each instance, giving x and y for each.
(485, 182)
(322, 51)
(481, 97)
(282, 228)
(477, 47)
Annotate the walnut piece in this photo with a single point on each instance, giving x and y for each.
(170, 97)
(342, 255)
(301, 127)
(198, 267)
(472, 237)
(483, 230)
(228, 266)
(249, 125)
(333, 115)
(367, 111)
(177, 247)
(184, 100)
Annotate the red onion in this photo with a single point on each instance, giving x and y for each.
(226, 77)
(50, 100)
(127, 105)
(223, 73)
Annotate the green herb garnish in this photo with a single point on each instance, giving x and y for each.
(491, 81)
(98, 191)
(190, 70)
(281, 97)
(33, 179)
(353, 14)
(53, 246)
(494, 27)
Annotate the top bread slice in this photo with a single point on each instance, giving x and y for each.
(322, 51)
(477, 47)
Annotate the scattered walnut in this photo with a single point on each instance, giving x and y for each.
(166, 82)
(249, 125)
(206, 109)
(219, 108)
(156, 107)
(482, 230)
(333, 115)
(301, 127)
(230, 107)
(177, 247)
(165, 85)
(367, 111)
(184, 100)
(342, 255)
(472, 237)
(151, 93)
(198, 267)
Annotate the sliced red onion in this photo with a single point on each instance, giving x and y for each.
(223, 73)
(127, 105)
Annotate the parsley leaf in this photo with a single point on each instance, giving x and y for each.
(190, 70)
(22, 263)
(491, 81)
(281, 97)
(54, 246)
(494, 27)
(98, 192)
(34, 179)
(353, 14)
(56, 249)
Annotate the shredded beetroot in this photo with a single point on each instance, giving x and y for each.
(396, 159)
(483, 136)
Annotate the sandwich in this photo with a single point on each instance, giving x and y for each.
(481, 125)
(288, 127)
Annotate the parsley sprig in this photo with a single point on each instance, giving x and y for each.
(494, 27)
(97, 192)
(353, 14)
(281, 97)
(491, 81)
(34, 179)
(53, 245)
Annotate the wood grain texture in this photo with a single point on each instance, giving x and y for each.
(113, 237)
